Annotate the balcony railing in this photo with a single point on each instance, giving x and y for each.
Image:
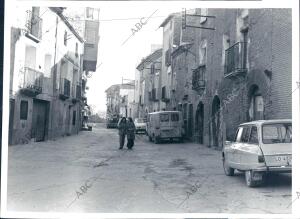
(198, 79)
(235, 59)
(34, 26)
(31, 81)
(64, 88)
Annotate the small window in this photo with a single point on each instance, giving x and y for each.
(245, 135)
(164, 117)
(253, 136)
(174, 117)
(76, 50)
(74, 118)
(65, 38)
(23, 110)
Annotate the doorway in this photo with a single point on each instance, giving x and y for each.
(40, 115)
(199, 125)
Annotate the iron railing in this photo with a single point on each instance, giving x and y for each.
(235, 58)
(34, 24)
(31, 80)
(198, 78)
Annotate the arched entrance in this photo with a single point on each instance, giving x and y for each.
(256, 104)
(215, 121)
(199, 123)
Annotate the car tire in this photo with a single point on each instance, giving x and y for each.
(227, 170)
(249, 179)
(156, 140)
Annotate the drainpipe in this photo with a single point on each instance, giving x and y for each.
(54, 80)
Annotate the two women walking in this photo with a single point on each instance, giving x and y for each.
(126, 128)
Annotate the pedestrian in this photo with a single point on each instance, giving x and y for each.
(130, 133)
(122, 131)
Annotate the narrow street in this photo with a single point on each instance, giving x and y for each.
(87, 173)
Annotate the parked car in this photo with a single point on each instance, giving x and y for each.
(140, 125)
(165, 125)
(112, 122)
(259, 147)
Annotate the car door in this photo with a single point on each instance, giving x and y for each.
(240, 146)
(230, 150)
(249, 150)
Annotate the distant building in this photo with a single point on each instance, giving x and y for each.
(149, 83)
(118, 100)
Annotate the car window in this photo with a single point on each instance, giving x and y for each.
(164, 117)
(253, 139)
(239, 134)
(277, 133)
(245, 135)
(174, 117)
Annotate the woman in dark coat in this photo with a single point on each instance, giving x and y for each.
(122, 131)
(130, 133)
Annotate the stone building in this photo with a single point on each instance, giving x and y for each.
(239, 72)
(235, 68)
(46, 76)
(149, 78)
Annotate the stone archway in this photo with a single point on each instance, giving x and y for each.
(215, 121)
(256, 103)
(199, 123)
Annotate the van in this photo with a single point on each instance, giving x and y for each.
(164, 125)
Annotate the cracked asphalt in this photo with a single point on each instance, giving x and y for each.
(87, 173)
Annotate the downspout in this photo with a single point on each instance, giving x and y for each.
(54, 81)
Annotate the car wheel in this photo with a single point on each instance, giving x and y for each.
(156, 140)
(249, 179)
(227, 169)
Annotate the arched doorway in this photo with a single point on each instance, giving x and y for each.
(256, 104)
(215, 121)
(199, 123)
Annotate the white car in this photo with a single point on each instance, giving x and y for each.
(259, 147)
(140, 125)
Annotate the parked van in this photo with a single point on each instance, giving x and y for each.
(165, 125)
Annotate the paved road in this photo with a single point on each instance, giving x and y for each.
(87, 173)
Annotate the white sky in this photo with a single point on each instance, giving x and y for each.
(121, 60)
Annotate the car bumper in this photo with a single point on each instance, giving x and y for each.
(279, 169)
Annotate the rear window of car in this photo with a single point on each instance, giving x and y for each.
(277, 133)
(164, 117)
(174, 117)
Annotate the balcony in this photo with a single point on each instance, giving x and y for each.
(31, 82)
(64, 89)
(33, 26)
(76, 92)
(235, 60)
(198, 78)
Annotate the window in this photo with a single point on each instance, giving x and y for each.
(174, 117)
(65, 38)
(23, 110)
(253, 136)
(245, 135)
(277, 133)
(74, 118)
(226, 44)
(164, 117)
(76, 50)
(239, 134)
(202, 52)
